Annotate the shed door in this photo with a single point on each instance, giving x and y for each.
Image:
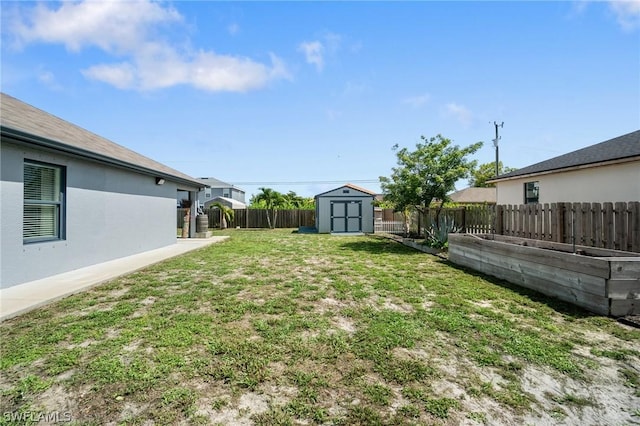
(346, 216)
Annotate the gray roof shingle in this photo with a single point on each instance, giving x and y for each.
(474, 195)
(18, 118)
(217, 183)
(621, 147)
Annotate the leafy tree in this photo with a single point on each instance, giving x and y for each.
(271, 200)
(481, 174)
(294, 201)
(428, 173)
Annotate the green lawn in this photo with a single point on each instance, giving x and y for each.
(278, 328)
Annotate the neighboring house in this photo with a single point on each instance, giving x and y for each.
(227, 202)
(218, 188)
(605, 172)
(474, 196)
(71, 198)
(348, 208)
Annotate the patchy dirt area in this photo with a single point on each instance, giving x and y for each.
(331, 332)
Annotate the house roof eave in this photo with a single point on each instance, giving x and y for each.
(24, 138)
(565, 169)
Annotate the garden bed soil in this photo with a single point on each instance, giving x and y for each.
(603, 281)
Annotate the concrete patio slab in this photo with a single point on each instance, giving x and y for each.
(22, 298)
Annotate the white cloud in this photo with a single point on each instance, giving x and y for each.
(313, 52)
(215, 72)
(333, 42)
(127, 29)
(122, 76)
(354, 88)
(205, 70)
(417, 101)
(48, 79)
(114, 26)
(627, 13)
(233, 29)
(459, 112)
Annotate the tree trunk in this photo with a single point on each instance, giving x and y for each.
(268, 218)
(185, 224)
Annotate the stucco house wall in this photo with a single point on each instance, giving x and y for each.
(608, 171)
(116, 202)
(615, 182)
(109, 213)
(345, 194)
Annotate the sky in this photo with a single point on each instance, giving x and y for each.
(307, 96)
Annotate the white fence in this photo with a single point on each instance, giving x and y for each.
(389, 226)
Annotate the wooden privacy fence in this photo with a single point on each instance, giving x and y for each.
(606, 225)
(472, 219)
(257, 218)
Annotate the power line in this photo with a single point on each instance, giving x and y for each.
(309, 182)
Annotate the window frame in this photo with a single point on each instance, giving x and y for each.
(59, 205)
(535, 190)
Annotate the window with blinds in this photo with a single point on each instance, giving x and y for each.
(43, 202)
(531, 192)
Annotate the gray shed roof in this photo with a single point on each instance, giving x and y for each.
(621, 148)
(349, 185)
(31, 125)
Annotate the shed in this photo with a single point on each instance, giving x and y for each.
(348, 208)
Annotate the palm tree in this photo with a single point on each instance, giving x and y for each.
(226, 214)
(293, 200)
(272, 200)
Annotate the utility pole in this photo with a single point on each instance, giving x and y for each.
(495, 143)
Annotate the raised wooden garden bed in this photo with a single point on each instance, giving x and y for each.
(603, 281)
(415, 244)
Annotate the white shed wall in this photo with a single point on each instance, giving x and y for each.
(616, 182)
(323, 208)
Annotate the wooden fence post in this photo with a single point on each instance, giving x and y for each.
(596, 224)
(531, 220)
(464, 219)
(557, 222)
(607, 225)
(621, 226)
(578, 224)
(634, 220)
(587, 237)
